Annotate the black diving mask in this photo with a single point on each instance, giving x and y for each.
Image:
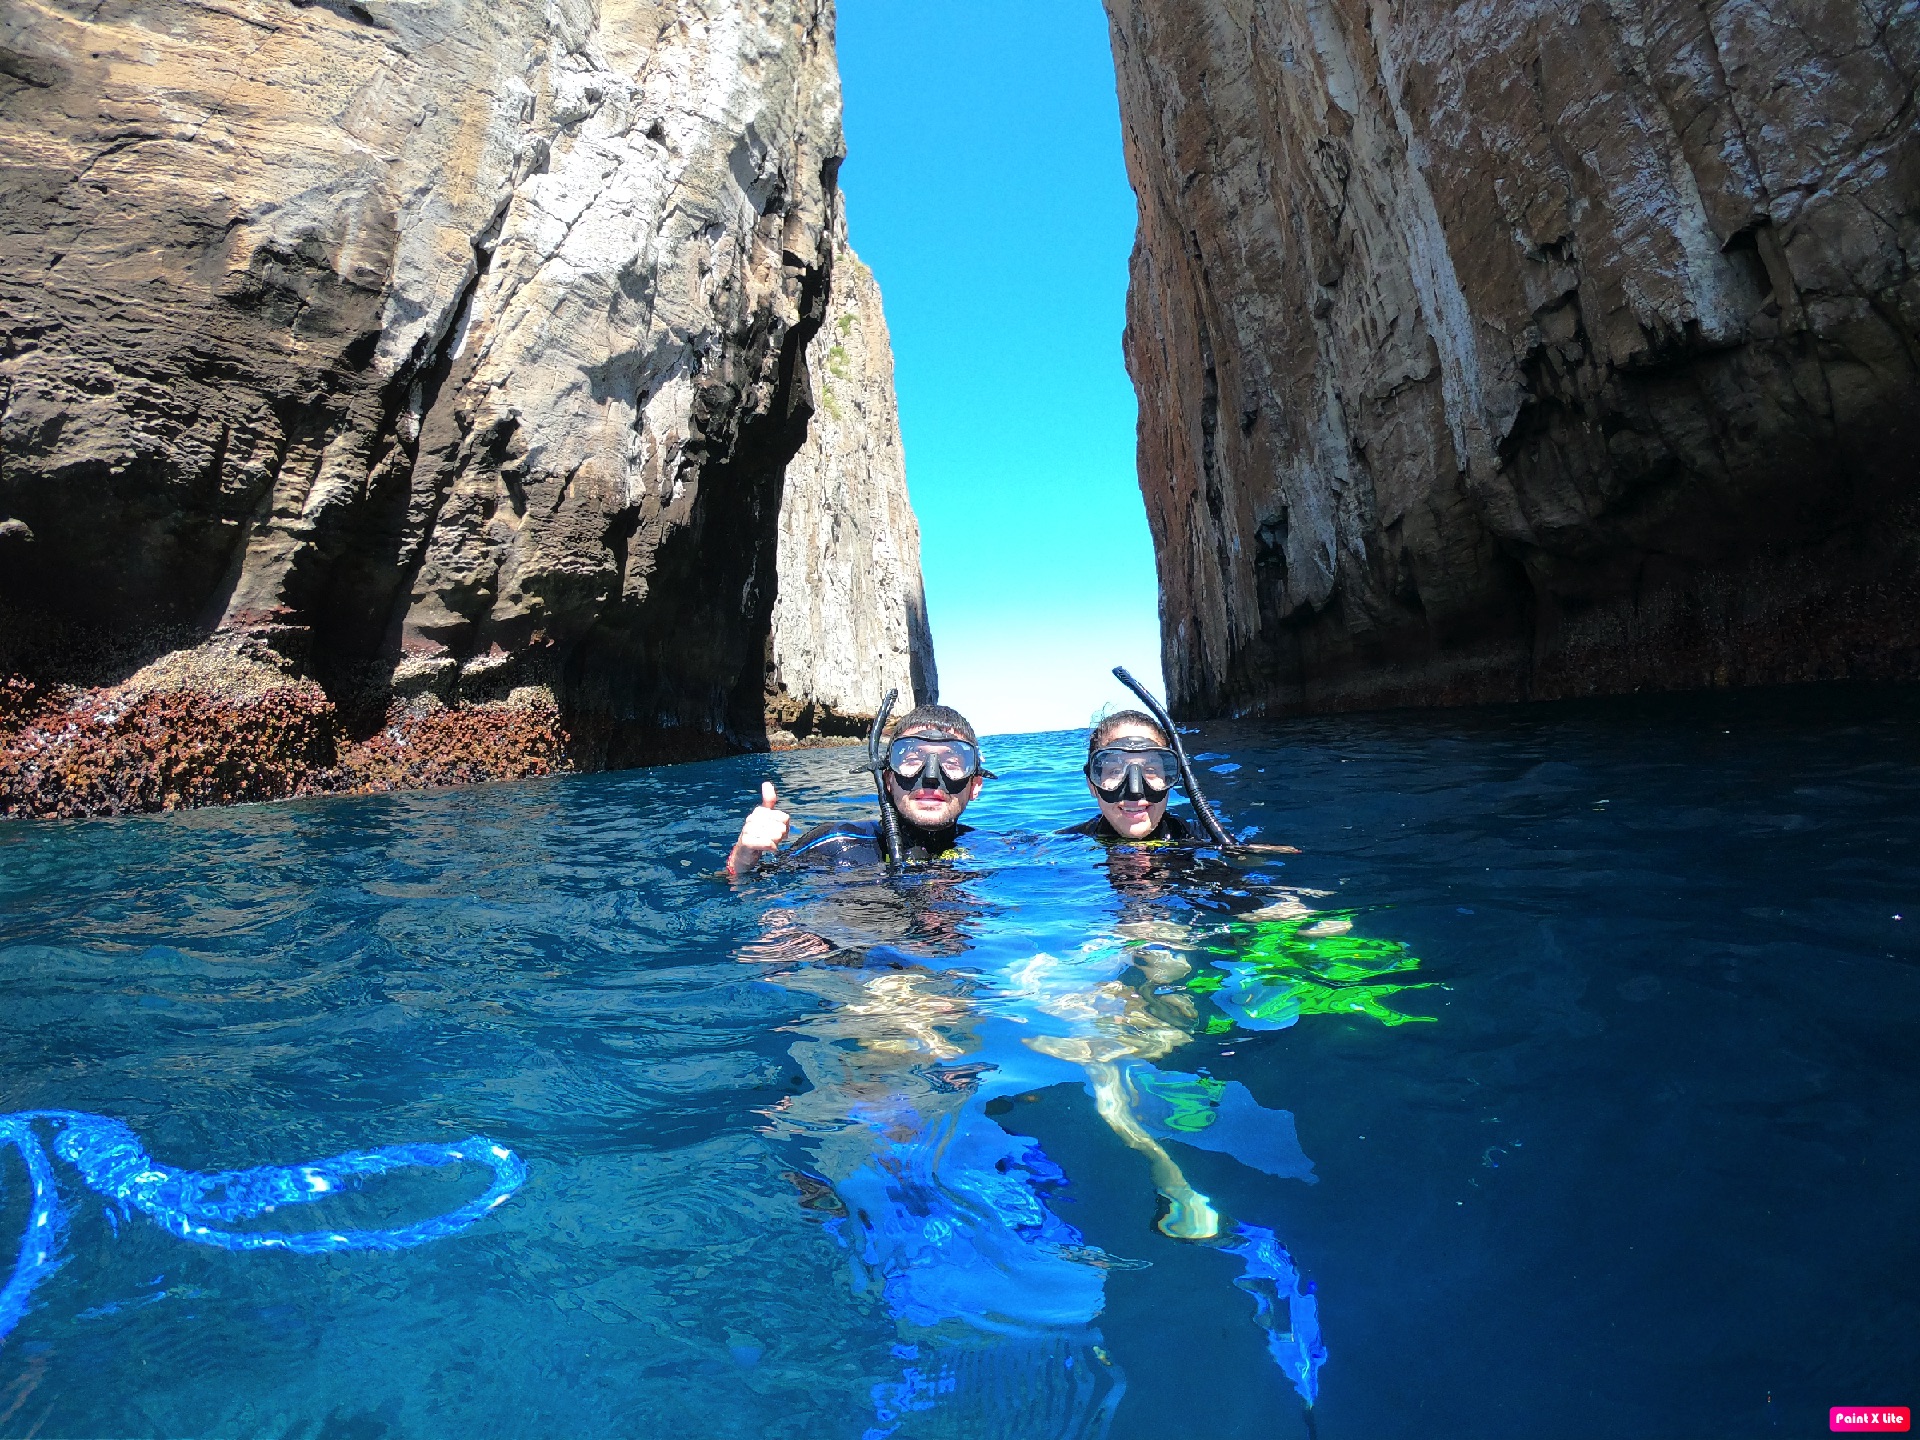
(948, 763)
(1132, 769)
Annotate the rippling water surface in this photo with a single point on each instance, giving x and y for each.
(1633, 1152)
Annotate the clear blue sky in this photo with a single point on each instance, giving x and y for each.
(985, 187)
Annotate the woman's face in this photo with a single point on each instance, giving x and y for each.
(1132, 818)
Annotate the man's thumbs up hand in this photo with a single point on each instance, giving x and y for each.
(766, 827)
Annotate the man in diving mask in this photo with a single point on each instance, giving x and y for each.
(932, 772)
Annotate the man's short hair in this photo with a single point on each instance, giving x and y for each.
(929, 717)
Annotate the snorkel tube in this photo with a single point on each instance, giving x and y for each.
(1208, 822)
(877, 762)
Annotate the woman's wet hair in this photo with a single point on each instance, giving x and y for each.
(1109, 725)
(943, 717)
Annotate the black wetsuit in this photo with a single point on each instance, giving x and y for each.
(857, 842)
(1171, 827)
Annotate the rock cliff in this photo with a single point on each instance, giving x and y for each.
(850, 620)
(1526, 348)
(422, 373)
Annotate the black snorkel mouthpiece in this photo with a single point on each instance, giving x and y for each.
(877, 762)
(1208, 821)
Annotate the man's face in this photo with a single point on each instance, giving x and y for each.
(928, 805)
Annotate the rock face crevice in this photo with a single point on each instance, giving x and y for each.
(1524, 350)
(850, 622)
(450, 356)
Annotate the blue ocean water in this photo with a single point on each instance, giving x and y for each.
(1563, 1083)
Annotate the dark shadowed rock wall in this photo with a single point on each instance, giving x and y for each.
(430, 359)
(1524, 349)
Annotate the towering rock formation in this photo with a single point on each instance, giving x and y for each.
(850, 622)
(1531, 348)
(421, 375)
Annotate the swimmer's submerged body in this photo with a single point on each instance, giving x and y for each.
(947, 1212)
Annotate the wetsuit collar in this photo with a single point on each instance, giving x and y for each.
(931, 842)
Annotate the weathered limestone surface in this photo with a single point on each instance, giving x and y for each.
(850, 621)
(1524, 348)
(448, 354)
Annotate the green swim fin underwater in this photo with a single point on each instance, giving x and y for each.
(1273, 971)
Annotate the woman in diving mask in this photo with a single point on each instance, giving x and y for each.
(1131, 770)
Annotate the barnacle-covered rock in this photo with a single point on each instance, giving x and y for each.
(413, 357)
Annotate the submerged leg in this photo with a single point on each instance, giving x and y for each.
(1190, 1215)
(1284, 1304)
